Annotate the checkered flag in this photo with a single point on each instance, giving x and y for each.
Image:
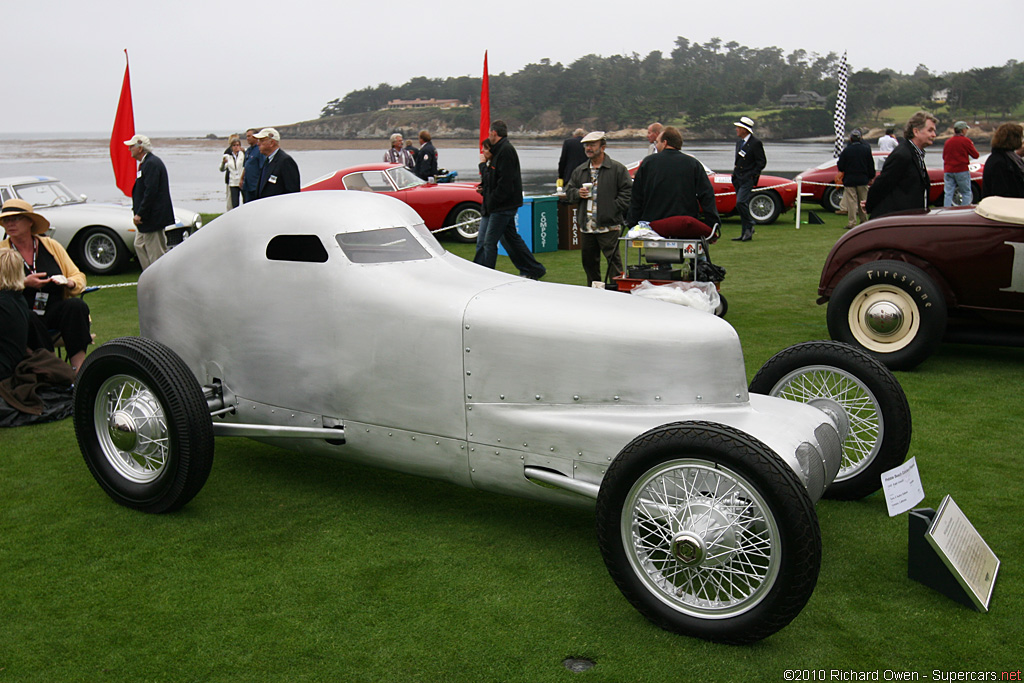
(839, 121)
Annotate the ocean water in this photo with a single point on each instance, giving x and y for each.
(82, 161)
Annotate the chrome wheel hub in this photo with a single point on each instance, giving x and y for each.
(131, 428)
(884, 318)
(701, 538)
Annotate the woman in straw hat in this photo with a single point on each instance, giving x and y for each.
(52, 280)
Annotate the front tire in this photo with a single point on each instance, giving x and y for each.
(863, 398)
(100, 251)
(708, 533)
(765, 207)
(892, 310)
(143, 425)
(467, 211)
(833, 198)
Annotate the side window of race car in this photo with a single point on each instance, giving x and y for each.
(386, 245)
(368, 181)
(301, 248)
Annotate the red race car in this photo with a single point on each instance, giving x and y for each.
(440, 206)
(896, 286)
(772, 197)
(819, 183)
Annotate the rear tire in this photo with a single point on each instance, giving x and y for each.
(892, 310)
(863, 398)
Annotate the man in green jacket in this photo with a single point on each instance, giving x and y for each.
(601, 189)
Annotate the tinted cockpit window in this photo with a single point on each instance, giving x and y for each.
(303, 248)
(386, 245)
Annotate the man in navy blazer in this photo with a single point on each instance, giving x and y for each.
(750, 161)
(280, 175)
(151, 202)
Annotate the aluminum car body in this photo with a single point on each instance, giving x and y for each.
(438, 367)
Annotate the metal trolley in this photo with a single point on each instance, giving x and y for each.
(662, 262)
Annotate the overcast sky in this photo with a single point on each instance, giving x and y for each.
(216, 67)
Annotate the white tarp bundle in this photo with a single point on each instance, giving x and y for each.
(700, 295)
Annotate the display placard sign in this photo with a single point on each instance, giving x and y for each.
(964, 552)
(902, 486)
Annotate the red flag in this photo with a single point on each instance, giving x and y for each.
(124, 129)
(485, 105)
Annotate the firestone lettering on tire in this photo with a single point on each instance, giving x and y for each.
(896, 277)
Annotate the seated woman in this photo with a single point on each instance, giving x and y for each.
(52, 280)
(14, 313)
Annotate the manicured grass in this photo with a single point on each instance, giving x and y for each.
(295, 568)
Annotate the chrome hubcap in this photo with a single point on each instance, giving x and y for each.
(132, 429)
(884, 318)
(701, 538)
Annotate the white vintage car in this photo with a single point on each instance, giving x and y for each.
(334, 323)
(99, 237)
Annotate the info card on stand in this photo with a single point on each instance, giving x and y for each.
(902, 486)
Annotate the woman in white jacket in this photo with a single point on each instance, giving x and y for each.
(232, 163)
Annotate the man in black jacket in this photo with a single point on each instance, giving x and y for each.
(671, 183)
(280, 175)
(426, 158)
(903, 182)
(151, 202)
(858, 169)
(572, 156)
(750, 161)
(600, 188)
(503, 195)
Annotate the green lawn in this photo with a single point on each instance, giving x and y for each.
(289, 567)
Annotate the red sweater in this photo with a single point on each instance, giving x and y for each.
(955, 154)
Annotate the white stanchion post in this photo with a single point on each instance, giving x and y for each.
(799, 196)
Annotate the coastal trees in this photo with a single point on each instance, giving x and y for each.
(692, 83)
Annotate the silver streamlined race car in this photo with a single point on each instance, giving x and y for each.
(335, 323)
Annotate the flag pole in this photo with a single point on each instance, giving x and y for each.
(839, 121)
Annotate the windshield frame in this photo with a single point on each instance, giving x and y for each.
(61, 191)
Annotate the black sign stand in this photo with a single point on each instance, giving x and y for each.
(924, 564)
(946, 553)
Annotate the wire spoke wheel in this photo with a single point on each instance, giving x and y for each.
(862, 398)
(701, 538)
(131, 427)
(851, 403)
(143, 424)
(708, 533)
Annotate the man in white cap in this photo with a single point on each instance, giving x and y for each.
(750, 161)
(151, 202)
(280, 175)
(601, 187)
